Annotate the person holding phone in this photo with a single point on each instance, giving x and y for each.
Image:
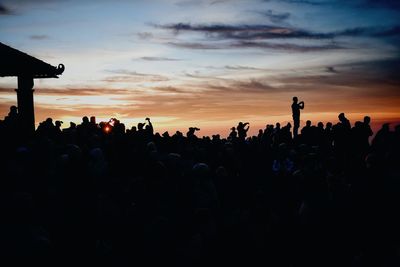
(296, 106)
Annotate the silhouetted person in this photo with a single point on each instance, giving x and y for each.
(306, 133)
(12, 114)
(381, 142)
(232, 134)
(357, 140)
(366, 134)
(11, 120)
(149, 129)
(296, 115)
(285, 134)
(242, 130)
(276, 134)
(58, 127)
(342, 137)
(191, 133)
(260, 134)
(344, 121)
(93, 125)
(327, 136)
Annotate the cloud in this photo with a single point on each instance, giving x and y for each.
(80, 91)
(243, 31)
(331, 69)
(260, 45)
(370, 31)
(193, 45)
(70, 91)
(215, 2)
(188, 3)
(145, 35)
(382, 3)
(377, 75)
(275, 17)
(5, 10)
(287, 47)
(193, 3)
(264, 32)
(240, 67)
(392, 31)
(254, 85)
(39, 37)
(304, 2)
(170, 90)
(127, 76)
(160, 59)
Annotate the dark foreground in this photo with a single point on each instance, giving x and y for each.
(98, 194)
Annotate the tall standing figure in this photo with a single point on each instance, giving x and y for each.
(296, 115)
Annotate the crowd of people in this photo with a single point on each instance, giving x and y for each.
(108, 195)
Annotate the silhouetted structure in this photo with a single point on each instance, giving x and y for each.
(26, 68)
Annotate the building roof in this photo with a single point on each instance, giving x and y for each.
(16, 63)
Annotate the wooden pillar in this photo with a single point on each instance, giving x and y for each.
(26, 112)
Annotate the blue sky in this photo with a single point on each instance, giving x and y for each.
(208, 62)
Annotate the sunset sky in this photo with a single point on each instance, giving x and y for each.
(209, 63)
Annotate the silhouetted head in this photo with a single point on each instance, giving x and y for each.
(85, 119)
(329, 125)
(151, 147)
(221, 172)
(367, 119)
(320, 125)
(295, 100)
(308, 123)
(385, 126)
(13, 110)
(233, 129)
(289, 125)
(397, 128)
(341, 117)
(58, 123)
(140, 125)
(49, 121)
(201, 171)
(358, 124)
(93, 119)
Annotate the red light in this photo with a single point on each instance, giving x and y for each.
(107, 129)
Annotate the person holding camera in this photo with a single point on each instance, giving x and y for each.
(190, 134)
(242, 130)
(296, 106)
(149, 128)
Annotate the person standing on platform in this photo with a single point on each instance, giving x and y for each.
(296, 106)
